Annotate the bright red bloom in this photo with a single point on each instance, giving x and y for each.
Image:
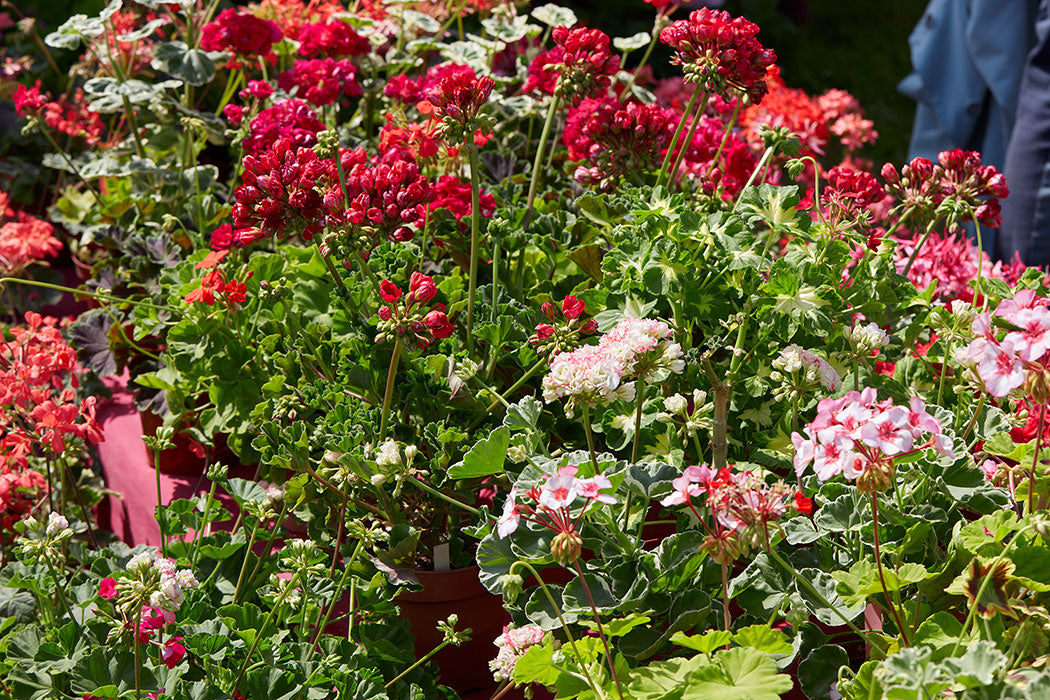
(280, 195)
(421, 288)
(389, 291)
(803, 504)
(222, 237)
(457, 100)
(24, 239)
(321, 81)
(29, 100)
(107, 588)
(571, 307)
(411, 90)
(172, 652)
(720, 53)
(234, 114)
(452, 194)
(438, 324)
(333, 38)
(579, 66)
(244, 35)
(288, 119)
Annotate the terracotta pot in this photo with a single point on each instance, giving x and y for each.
(179, 460)
(458, 591)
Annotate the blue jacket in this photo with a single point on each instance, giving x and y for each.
(968, 56)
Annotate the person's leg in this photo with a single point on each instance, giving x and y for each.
(1026, 212)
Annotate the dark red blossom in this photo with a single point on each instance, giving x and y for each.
(291, 119)
(242, 34)
(453, 195)
(333, 38)
(411, 90)
(720, 53)
(580, 65)
(457, 100)
(280, 195)
(321, 81)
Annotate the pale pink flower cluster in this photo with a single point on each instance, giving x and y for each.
(168, 595)
(853, 434)
(551, 503)
(595, 374)
(1004, 364)
(793, 360)
(512, 644)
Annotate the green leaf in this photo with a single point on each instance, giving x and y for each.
(663, 680)
(485, 458)
(763, 638)
(630, 43)
(194, 66)
(1032, 567)
(738, 674)
(820, 670)
(706, 643)
(979, 666)
(620, 626)
(537, 665)
(554, 16)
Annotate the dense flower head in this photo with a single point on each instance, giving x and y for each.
(24, 239)
(334, 38)
(598, 374)
(1020, 357)
(387, 199)
(290, 119)
(720, 53)
(407, 140)
(743, 506)
(859, 437)
(951, 261)
(279, 197)
(242, 34)
(616, 140)
(412, 90)
(321, 81)
(580, 65)
(29, 100)
(411, 317)
(291, 15)
(788, 107)
(512, 645)
(457, 100)
(859, 186)
(803, 371)
(730, 172)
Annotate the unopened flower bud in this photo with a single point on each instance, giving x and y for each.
(511, 585)
(548, 310)
(565, 547)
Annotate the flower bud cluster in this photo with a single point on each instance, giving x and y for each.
(688, 415)
(580, 65)
(457, 100)
(800, 372)
(566, 325)
(411, 316)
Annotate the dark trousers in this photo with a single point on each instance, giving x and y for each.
(1026, 212)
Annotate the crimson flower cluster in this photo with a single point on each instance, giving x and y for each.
(457, 101)
(214, 283)
(386, 200)
(742, 504)
(279, 196)
(244, 35)
(333, 38)
(567, 326)
(957, 187)
(720, 53)
(321, 81)
(453, 195)
(292, 120)
(38, 412)
(579, 66)
(616, 140)
(845, 203)
(66, 116)
(412, 90)
(411, 317)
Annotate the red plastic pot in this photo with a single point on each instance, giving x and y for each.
(179, 460)
(459, 592)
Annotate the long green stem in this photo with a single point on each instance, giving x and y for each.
(1035, 457)
(601, 630)
(645, 60)
(419, 662)
(688, 141)
(918, 247)
(319, 625)
(247, 556)
(564, 626)
(678, 133)
(162, 515)
(390, 374)
(80, 292)
(590, 437)
(200, 534)
(269, 617)
(475, 234)
(985, 581)
(424, 486)
(536, 169)
(509, 392)
(640, 390)
(766, 155)
(882, 576)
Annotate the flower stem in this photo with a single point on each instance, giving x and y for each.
(766, 155)
(319, 625)
(420, 662)
(590, 438)
(688, 141)
(678, 133)
(1035, 457)
(645, 60)
(638, 420)
(162, 516)
(390, 374)
(475, 228)
(918, 247)
(514, 387)
(882, 576)
(423, 486)
(564, 626)
(601, 630)
(544, 135)
(269, 617)
(725, 596)
(80, 292)
(244, 563)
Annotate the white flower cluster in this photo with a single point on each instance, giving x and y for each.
(594, 374)
(798, 367)
(867, 339)
(512, 644)
(168, 593)
(56, 525)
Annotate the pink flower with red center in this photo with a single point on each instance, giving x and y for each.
(1001, 369)
(321, 81)
(559, 491)
(1033, 340)
(720, 53)
(555, 505)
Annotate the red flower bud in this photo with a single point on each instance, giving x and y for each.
(422, 287)
(544, 331)
(572, 307)
(438, 324)
(384, 313)
(590, 327)
(389, 291)
(547, 310)
(803, 504)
